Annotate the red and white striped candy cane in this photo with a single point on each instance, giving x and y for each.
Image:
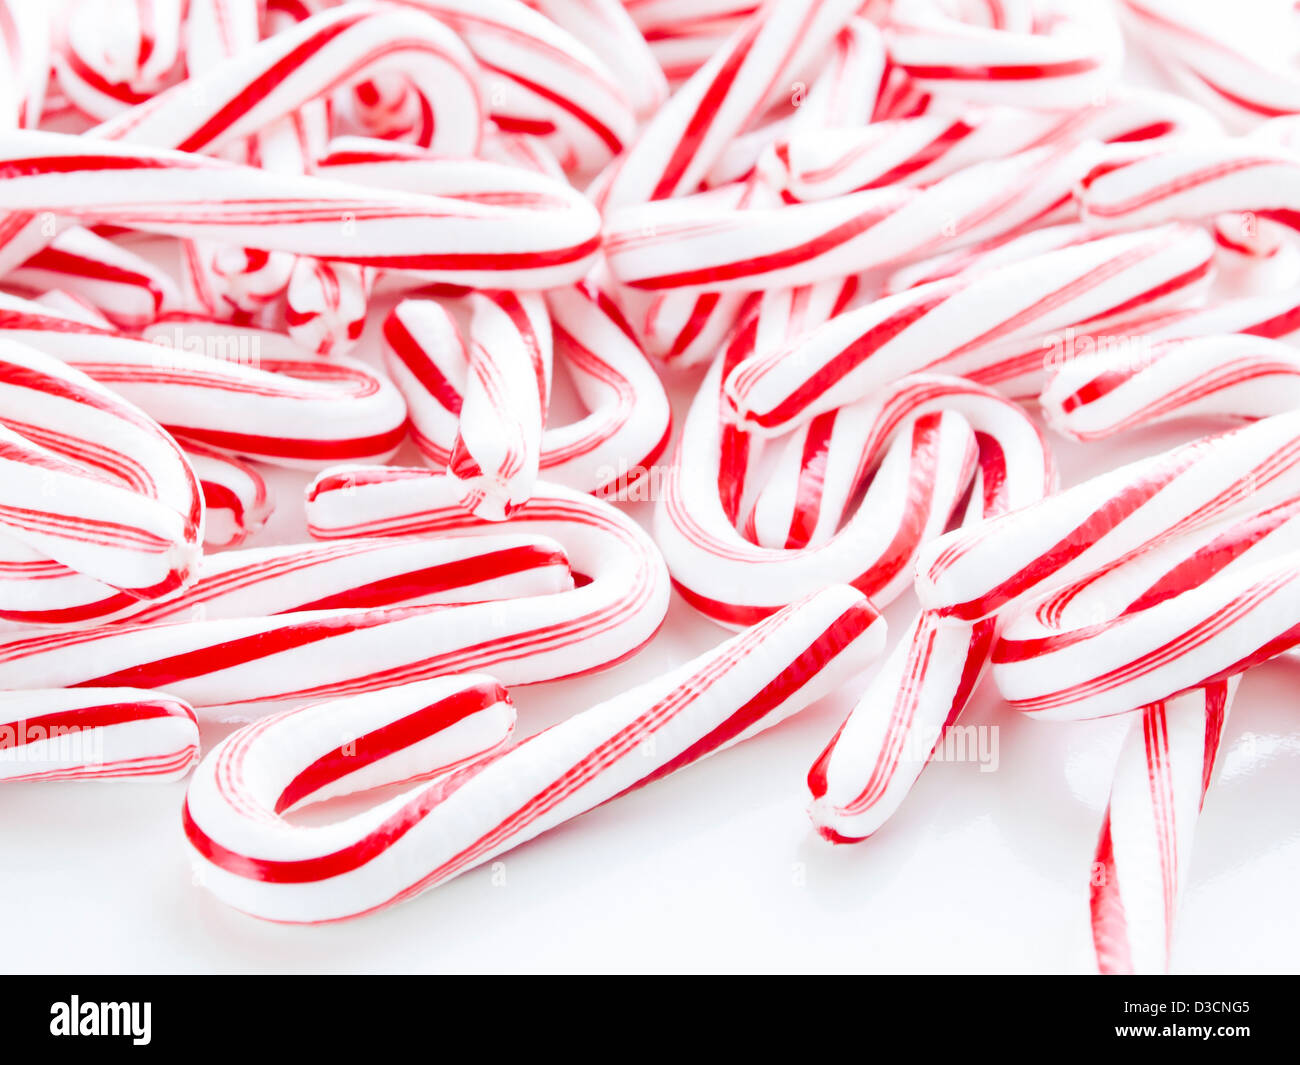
(367, 573)
(126, 288)
(1243, 66)
(995, 328)
(1145, 846)
(683, 244)
(759, 64)
(251, 663)
(236, 501)
(507, 393)
(114, 56)
(604, 453)
(1195, 181)
(228, 281)
(95, 734)
(25, 40)
(923, 432)
(539, 78)
(247, 392)
(1187, 612)
(326, 52)
(684, 34)
(1233, 375)
(435, 238)
(348, 575)
(1246, 232)
(91, 483)
(326, 304)
(255, 860)
(1057, 56)
(1010, 559)
(821, 164)
(607, 29)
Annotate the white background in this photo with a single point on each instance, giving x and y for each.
(715, 868)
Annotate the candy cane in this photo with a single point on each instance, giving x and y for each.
(236, 501)
(507, 392)
(25, 39)
(821, 164)
(1235, 375)
(91, 483)
(1072, 61)
(922, 433)
(1195, 181)
(95, 734)
(290, 409)
(257, 862)
(1012, 558)
(680, 244)
(1145, 845)
(249, 663)
(1188, 612)
(326, 304)
(996, 328)
(759, 63)
(683, 36)
(607, 29)
(539, 78)
(1246, 77)
(348, 575)
(188, 195)
(604, 453)
(128, 289)
(118, 55)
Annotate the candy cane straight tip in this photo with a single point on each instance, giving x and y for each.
(252, 859)
(96, 734)
(1143, 851)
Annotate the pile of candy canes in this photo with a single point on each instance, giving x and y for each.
(867, 223)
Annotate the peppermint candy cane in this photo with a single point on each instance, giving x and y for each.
(326, 304)
(1245, 76)
(507, 392)
(679, 244)
(1072, 61)
(843, 95)
(253, 860)
(1236, 376)
(91, 483)
(605, 453)
(191, 196)
(368, 573)
(1246, 232)
(291, 409)
(816, 165)
(96, 734)
(996, 328)
(540, 79)
(326, 52)
(236, 501)
(1145, 845)
(345, 576)
(1195, 181)
(229, 281)
(975, 572)
(683, 36)
(759, 64)
(115, 56)
(924, 435)
(1188, 612)
(25, 38)
(607, 29)
(250, 663)
(126, 288)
